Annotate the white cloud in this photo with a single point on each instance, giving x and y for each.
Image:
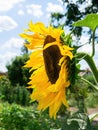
(9, 50)
(13, 44)
(86, 48)
(86, 4)
(7, 23)
(35, 10)
(4, 59)
(61, 1)
(21, 12)
(51, 8)
(7, 5)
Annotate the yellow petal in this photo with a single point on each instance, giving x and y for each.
(38, 28)
(49, 44)
(36, 59)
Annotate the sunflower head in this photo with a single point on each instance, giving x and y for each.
(51, 60)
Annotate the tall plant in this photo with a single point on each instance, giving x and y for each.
(56, 60)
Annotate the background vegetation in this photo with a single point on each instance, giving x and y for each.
(17, 110)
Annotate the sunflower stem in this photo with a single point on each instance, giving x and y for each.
(93, 43)
(94, 86)
(81, 104)
(91, 64)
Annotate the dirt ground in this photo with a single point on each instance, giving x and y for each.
(93, 111)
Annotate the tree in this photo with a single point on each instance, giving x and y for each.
(17, 74)
(74, 11)
(24, 49)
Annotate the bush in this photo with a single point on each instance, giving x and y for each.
(90, 78)
(18, 94)
(5, 89)
(92, 100)
(14, 117)
(18, 74)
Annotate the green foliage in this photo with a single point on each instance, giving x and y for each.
(92, 116)
(17, 94)
(55, 19)
(14, 117)
(76, 121)
(17, 74)
(5, 89)
(20, 95)
(24, 49)
(92, 100)
(90, 78)
(90, 21)
(73, 13)
(67, 39)
(85, 90)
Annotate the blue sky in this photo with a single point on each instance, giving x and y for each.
(15, 16)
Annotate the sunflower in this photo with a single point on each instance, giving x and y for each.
(50, 59)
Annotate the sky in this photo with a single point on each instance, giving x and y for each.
(14, 18)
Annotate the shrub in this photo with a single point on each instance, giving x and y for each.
(16, 72)
(14, 117)
(18, 94)
(5, 89)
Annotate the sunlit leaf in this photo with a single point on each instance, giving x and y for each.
(77, 121)
(91, 21)
(92, 116)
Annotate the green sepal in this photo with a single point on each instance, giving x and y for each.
(67, 39)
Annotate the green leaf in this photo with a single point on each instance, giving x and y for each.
(76, 121)
(91, 21)
(92, 116)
